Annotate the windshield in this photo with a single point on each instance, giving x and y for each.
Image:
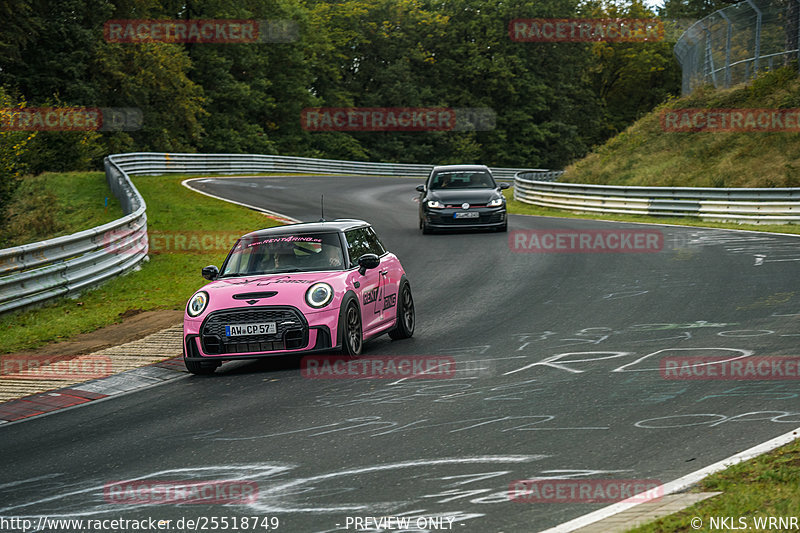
(471, 179)
(284, 253)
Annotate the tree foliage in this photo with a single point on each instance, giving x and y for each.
(552, 101)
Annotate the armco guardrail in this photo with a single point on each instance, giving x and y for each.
(753, 206)
(163, 163)
(36, 272)
(39, 271)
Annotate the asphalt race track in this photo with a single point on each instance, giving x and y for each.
(561, 379)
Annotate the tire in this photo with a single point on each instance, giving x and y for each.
(200, 368)
(352, 334)
(426, 230)
(503, 228)
(406, 316)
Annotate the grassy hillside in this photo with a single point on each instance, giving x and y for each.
(644, 154)
(54, 204)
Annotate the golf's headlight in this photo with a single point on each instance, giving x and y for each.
(435, 204)
(497, 202)
(197, 304)
(319, 295)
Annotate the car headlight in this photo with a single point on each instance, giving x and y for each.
(497, 202)
(435, 204)
(319, 295)
(197, 304)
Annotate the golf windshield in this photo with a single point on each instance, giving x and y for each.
(276, 254)
(474, 179)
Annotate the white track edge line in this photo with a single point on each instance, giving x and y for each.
(678, 484)
(185, 183)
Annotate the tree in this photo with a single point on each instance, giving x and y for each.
(631, 78)
(13, 146)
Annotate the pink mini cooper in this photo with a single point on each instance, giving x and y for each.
(297, 289)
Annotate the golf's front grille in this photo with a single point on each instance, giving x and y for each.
(291, 330)
(484, 218)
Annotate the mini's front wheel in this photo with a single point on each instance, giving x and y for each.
(352, 336)
(201, 368)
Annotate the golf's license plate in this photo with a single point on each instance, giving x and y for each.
(466, 214)
(237, 330)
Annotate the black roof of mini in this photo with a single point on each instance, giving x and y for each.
(340, 224)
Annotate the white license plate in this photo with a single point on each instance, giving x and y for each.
(466, 214)
(238, 330)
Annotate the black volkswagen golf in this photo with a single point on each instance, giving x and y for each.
(462, 196)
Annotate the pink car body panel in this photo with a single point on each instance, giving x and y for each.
(376, 291)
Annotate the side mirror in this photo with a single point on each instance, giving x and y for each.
(210, 272)
(505, 185)
(421, 188)
(367, 261)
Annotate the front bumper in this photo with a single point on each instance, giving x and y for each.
(445, 218)
(295, 333)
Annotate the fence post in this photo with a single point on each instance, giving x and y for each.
(728, 33)
(757, 53)
(708, 64)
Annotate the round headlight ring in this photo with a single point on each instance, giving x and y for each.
(319, 295)
(197, 303)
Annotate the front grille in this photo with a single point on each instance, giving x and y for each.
(485, 218)
(291, 330)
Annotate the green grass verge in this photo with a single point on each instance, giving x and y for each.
(165, 282)
(54, 204)
(520, 208)
(767, 486)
